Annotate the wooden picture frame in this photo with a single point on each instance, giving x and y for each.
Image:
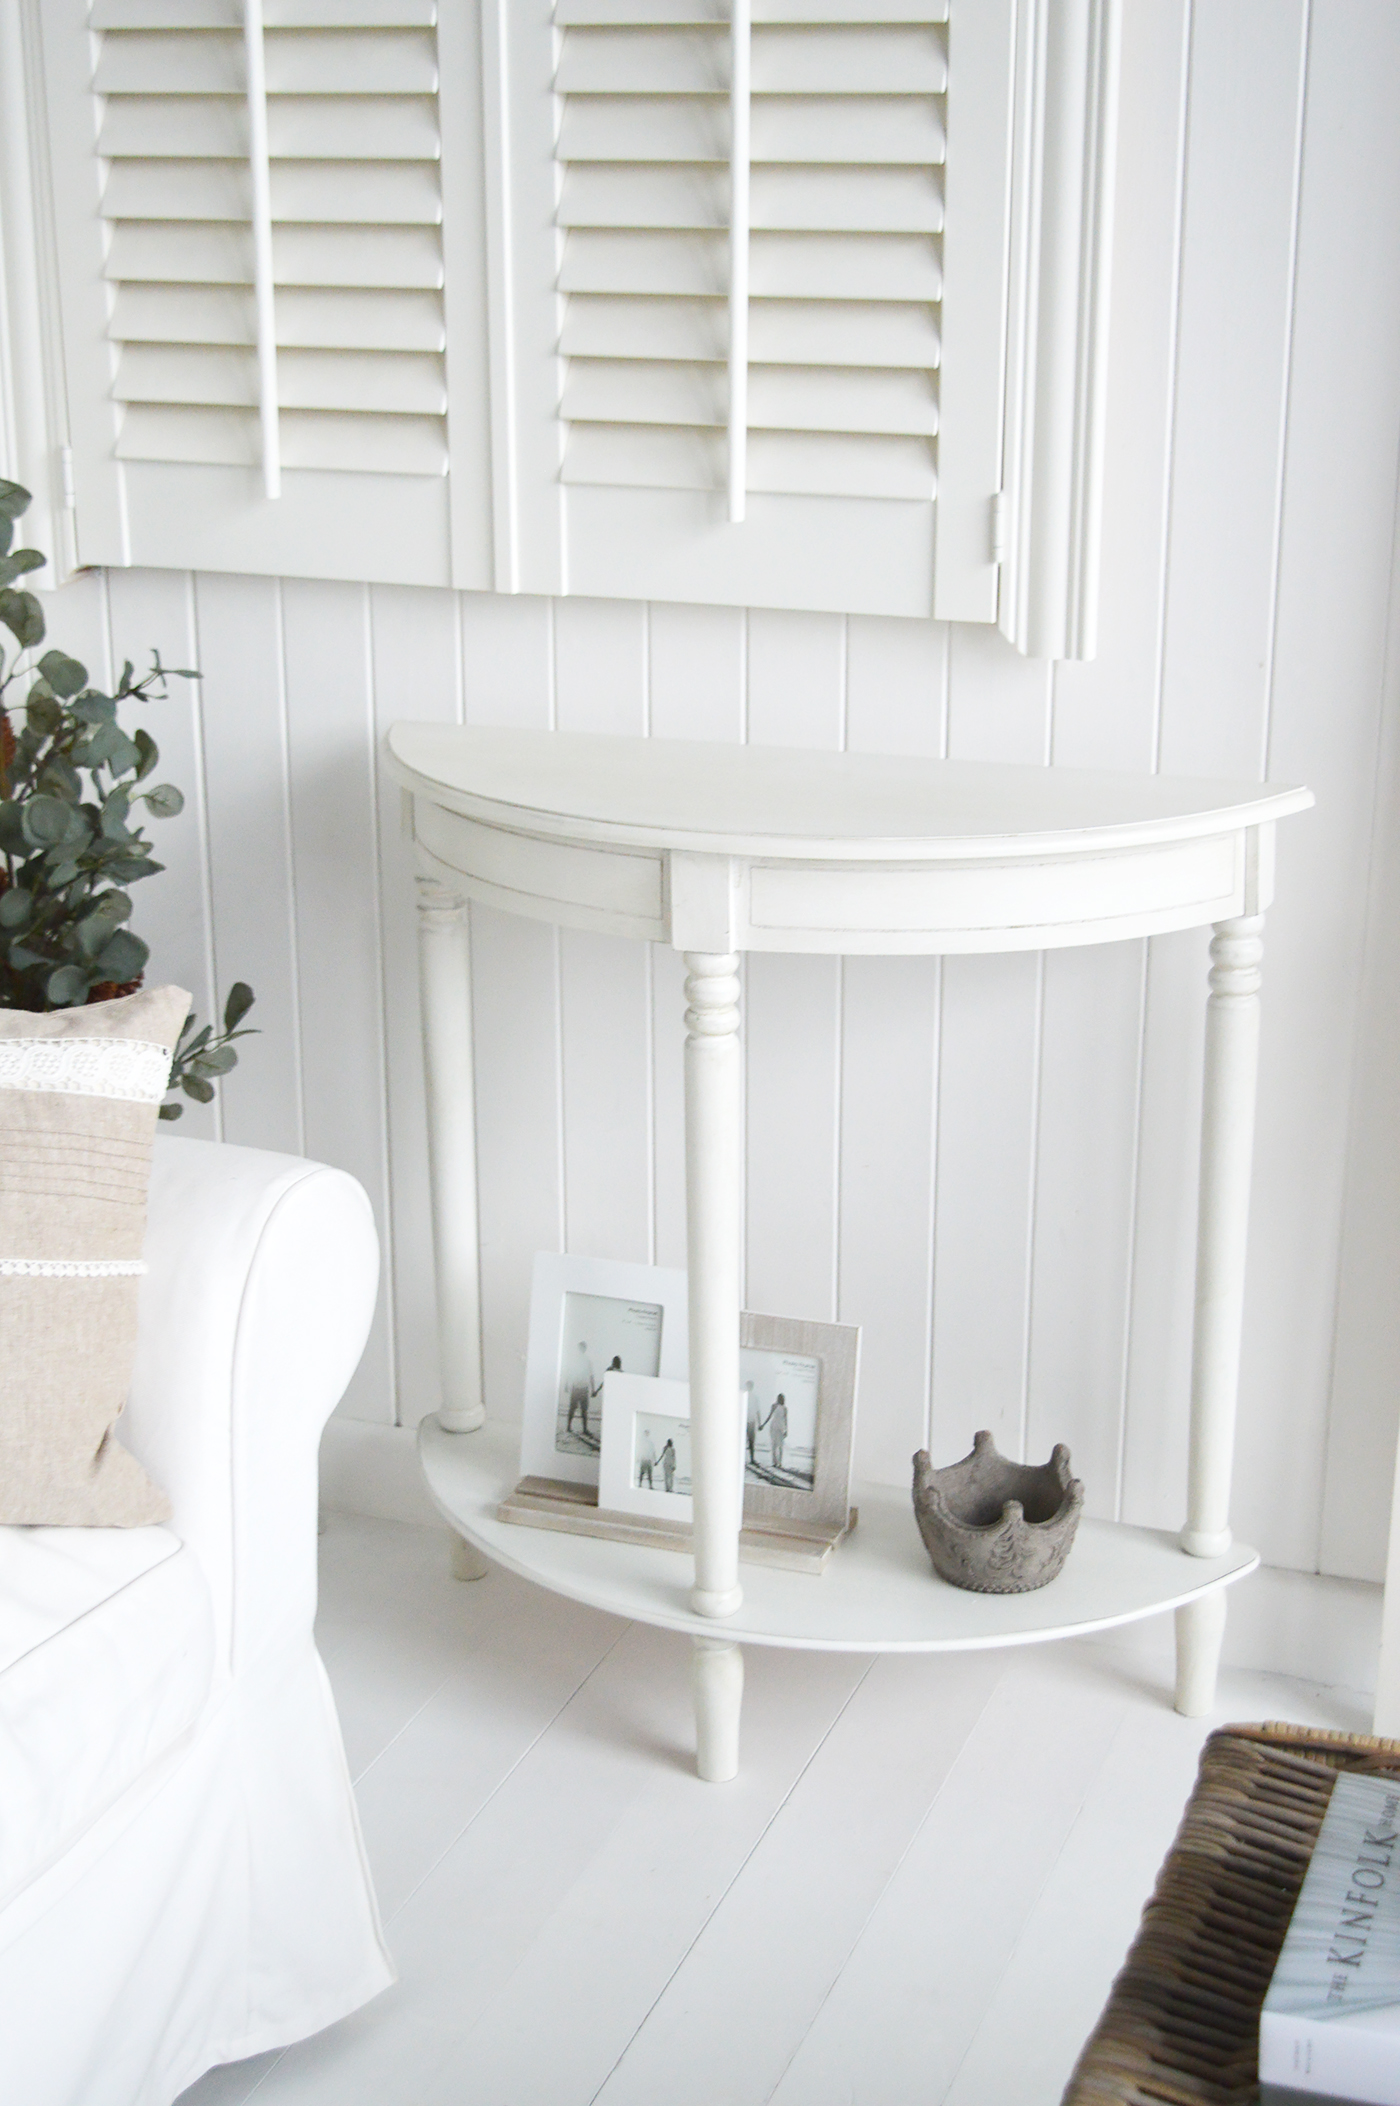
(586, 1313)
(800, 1418)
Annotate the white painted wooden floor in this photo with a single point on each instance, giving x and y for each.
(919, 1888)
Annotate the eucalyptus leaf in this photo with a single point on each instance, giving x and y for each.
(194, 1086)
(16, 907)
(67, 987)
(64, 674)
(14, 499)
(21, 956)
(171, 1111)
(43, 713)
(164, 801)
(61, 875)
(126, 869)
(148, 750)
(240, 1001)
(217, 1061)
(125, 754)
(18, 562)
(59, 778)
(50, 823)
(22, 616)
(124, 957)
(102, 741)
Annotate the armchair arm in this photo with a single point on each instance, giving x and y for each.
(254, 1313)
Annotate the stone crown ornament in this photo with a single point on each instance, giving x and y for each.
(993, 1526)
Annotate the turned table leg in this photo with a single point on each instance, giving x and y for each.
(1227, 1146)
(713, 1170)
(444, 959)
(717, 1678)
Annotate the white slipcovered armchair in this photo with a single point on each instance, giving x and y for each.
(182, 1880)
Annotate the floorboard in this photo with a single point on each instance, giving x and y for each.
(920, 1887)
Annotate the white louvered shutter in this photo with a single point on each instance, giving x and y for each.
(627, 357)
(160, 309)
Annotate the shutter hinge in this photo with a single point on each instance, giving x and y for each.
(999, 526)
(65, 469)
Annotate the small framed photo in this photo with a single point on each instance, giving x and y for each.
(645, 1466)
(592, 1317)
(799, 1384)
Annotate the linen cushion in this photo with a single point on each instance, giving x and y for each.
(79, 1094)
(106, 1659)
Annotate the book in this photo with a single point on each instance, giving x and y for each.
(1329, 2030)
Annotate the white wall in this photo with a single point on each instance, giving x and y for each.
(989, 1164)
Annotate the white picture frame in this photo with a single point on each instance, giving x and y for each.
(616, 1312)
(643, 1416)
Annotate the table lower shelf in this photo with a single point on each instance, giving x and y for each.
(879, 1594)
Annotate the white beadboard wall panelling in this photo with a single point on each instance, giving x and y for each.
(330, 723)
(154, 610)
(1106, 715)
(889, 1070)
(792, 1009)
(988, 1099)
(415, 642)
(1329, 666)
(1361, 1431)
(507, 659)
(600, 685)
(247, 792)
(1236, 297)
(1086, 1152)
(508, 677)
(897, 694)
(696, 672)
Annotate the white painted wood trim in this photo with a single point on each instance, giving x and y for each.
(500, 302)
(740, 56)
(261, 230)
(713, 1186)
(445, 969)
(1227, 1149)
(32, 436)
(1057, 374)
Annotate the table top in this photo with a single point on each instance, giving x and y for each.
(770, 801)
(878, 1593)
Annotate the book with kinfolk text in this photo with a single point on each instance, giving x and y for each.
(1329, 2032)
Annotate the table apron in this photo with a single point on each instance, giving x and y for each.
(973, 905)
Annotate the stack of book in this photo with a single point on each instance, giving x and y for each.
(1330, 2027)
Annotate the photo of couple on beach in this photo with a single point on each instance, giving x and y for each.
(780, 1418)
(602, 1336)
(661, 1454)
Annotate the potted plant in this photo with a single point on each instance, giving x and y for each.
(71, 780)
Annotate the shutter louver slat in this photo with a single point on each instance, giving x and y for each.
(846, 207)
(650, 13)
(356, 243)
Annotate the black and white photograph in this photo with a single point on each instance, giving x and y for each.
(780, 1418)
(602, 1335)
(593, 1320)
(660, 1454)
(798, 1384)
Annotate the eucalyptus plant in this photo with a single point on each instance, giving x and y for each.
(71, 785)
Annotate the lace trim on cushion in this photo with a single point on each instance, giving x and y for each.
(131, 1068)
(71, 1268)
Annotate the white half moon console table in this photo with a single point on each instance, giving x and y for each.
(715, 850)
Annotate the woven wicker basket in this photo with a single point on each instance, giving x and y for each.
(1181, 2027)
